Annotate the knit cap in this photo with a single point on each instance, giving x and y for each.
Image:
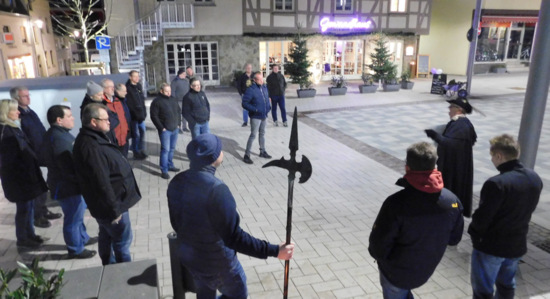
(93, 88)
(203, 150)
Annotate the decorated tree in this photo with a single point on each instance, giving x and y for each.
(381, 64)
(299, 64)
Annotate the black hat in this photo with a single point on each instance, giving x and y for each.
(462, 103)
(203, 150)
(180, 71)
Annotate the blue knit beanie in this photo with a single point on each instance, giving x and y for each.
(203, 150)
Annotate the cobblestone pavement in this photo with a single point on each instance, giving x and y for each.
(355, 144)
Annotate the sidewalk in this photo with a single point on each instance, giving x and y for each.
(333, 211)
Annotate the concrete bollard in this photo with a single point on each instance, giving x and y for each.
(182, 281)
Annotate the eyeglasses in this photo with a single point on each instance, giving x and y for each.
(103, 119)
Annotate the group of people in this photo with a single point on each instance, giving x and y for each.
(257, 100)
(415, 225)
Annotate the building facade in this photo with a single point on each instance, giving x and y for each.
(224, 35)
(27, 44)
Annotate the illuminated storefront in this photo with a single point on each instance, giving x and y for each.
(21, 66)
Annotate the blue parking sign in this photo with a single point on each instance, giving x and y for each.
(102, 42)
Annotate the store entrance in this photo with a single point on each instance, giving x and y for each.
(520, 41)
(274, 53)
(343, 58)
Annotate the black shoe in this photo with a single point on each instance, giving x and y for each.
(85, 254)
(180, 131)
(244, 125)
(91, 241)
(264, 154)
(247, 160)
(139, 156)
(144, 155)
(42, 222)
(185, 129)
(39, 239)
(28, 244)
(165, 175)
(51, 215)
(285, 124)
(174, 169)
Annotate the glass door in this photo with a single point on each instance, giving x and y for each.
(514, 43)
(274, 53)
(201, 56)
(342, 58)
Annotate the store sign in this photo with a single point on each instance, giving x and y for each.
(353, 24)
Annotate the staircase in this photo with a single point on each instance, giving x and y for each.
(133, 39)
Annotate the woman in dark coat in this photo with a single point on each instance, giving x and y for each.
(22, 179)
(456, 161)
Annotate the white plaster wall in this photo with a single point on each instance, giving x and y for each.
(120, 14)
(225, 18)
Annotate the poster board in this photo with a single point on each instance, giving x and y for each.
(423, 65)
(438, 82)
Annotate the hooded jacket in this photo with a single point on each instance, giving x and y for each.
(412, 231)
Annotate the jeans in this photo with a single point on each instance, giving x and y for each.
(114, 240)
(393, 292)
(245, 116)
(74, 230)
(40, 208)
(278, 100)
(489, 269)
(231, 283)
(168, 141)
(24, 220)
(138, 136)
(200, 129)
(256, 125)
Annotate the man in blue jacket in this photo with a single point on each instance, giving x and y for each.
(415, 225)
(57, 155)
(500, 224)
(204, 215)
(34, 130)
(256, 101)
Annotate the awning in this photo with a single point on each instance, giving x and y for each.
(513, 19)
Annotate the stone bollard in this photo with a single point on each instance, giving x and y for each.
(182, 281)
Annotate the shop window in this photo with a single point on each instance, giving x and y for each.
(398, 6)
(284, 5)
(491, 44)
(274, 53)
(343, 57)
(343, 5)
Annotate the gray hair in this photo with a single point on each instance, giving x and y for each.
(104, 82)
(14, 92)
(421, 156)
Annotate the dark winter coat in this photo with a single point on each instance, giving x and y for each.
(57, 154)
(204, 215)
(32, 127)
(105, 176)
(244, 83)
(256, 101)
(180, 87)
(499, 226)
(196, 108)
(276, 84)
(20, 172)
(456, 161)
(165, 113)
(411, 233)
(136, 101)
(113, 117)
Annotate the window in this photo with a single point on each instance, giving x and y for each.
(6, 29)
(24, 37)
(52, 58)
(398, 6)
(202, 56)
(343, 5)
(199, 2)
(284, 5)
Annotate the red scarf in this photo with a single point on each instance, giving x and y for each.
(429, 181)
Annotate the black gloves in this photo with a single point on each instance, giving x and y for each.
(431, 133)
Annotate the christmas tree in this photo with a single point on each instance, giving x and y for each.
(381, 65)
(298, 66)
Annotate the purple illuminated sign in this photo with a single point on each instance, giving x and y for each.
(353, 24)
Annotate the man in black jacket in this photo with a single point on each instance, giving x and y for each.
(57, 154)
(499, 226)
(196, 109)
(166, 116)
(34, 130)
(107, 183)
(138, 113)
(415, 225)
(276, 85)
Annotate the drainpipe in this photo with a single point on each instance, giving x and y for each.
(537, 90)
(473, 45)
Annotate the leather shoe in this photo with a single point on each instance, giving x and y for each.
(174, 169)
(39, 239)
(51, 215)
(264, 154)
(247, 160)
(139, 156)
(28, 243)
(42, 223)
(92, 241)
(85, 254)
(244, 125)
(165, 175)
